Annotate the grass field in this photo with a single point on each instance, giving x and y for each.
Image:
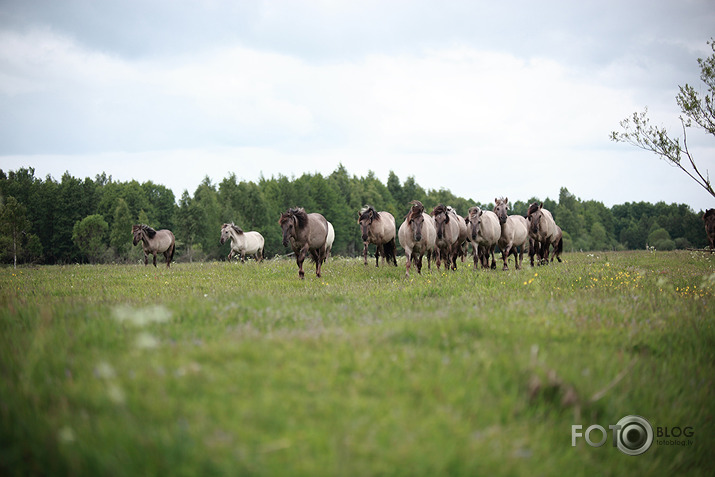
(229, 369)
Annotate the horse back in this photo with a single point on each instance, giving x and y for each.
(387, 221)
(162, 241)
(490, 229)
(550, 228)
(516, 230)
(254, 241)
(317, 231)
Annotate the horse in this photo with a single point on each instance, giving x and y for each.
(306, 234)
(251, 243)
(514, 233)
(154, 241)
(558, 244)
(450, 229)
(378, 228)
(484, 233)
(709, 219)
(462, 243)
(417, 235)
(542, 229)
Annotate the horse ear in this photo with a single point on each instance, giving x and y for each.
(506, 200)
(496, 201)
(480, 213)
(541, 204)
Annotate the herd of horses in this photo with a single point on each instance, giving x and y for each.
(442, 236)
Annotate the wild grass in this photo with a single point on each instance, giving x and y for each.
(230, 369)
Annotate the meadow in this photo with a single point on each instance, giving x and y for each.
(243, 369)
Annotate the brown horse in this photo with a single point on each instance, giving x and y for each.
(484, 233)
(542, 230)
(154, 241)
(451, 234)
(306, 234)
(514, 233)
(378, 228)
(417, 236)
(709, 218)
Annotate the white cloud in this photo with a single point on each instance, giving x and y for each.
(429, 98)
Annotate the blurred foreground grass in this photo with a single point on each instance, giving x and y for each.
(229, 369)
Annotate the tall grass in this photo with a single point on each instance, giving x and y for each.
(229, 369)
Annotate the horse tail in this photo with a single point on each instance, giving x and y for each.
(390, 251)
(559, 246)
(172, 249)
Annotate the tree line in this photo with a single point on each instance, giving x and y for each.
(89, 220)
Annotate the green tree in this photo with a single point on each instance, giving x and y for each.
(88, 234)
(660, 239)
(120, 236)
(188, 221)
(697, 110)
(13, 225)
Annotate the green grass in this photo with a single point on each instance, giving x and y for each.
(229, 369)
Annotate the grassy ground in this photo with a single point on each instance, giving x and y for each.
(229, 369)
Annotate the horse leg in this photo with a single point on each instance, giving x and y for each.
(518, 263)
(146, 259)
(154, 259)
(505, 256)
(418, 263)
(299, 259)
(494, 260)
(379, 247)
(546, 253)
(319, 256)
(243, 256)
(532, 251)
(364, 253)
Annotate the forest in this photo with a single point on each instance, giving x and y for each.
(73, 220)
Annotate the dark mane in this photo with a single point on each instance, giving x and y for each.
(297, 213)
(150, 232)
(236, 228)
(709, 214)
(533, 208)
(369, 212)
(416, 210)
(440, 209)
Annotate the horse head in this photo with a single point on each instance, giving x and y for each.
(501, 208)
(533, 216)
(474, 221)
(365, 218)
(225, 233)
(441, 217)
(136, 233)
(292, 222)
(415, 219)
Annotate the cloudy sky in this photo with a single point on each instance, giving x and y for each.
(512, 98)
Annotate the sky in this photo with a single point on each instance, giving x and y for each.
(486, 99)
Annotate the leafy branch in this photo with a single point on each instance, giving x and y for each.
(637, 130)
